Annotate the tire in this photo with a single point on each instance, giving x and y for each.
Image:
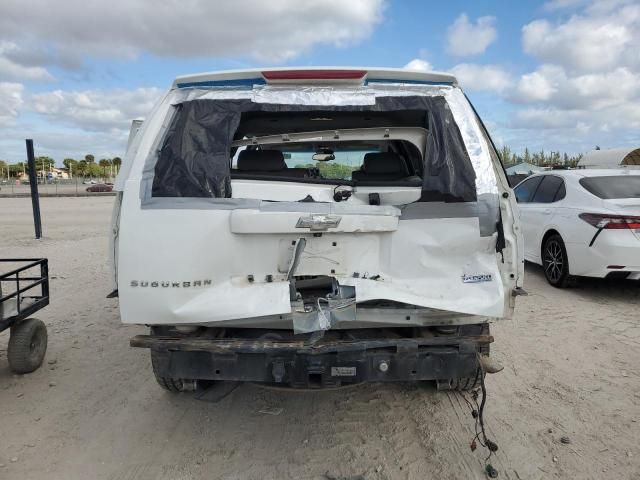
(173, 385)
(467, 383)
(462, 384)
(555, 261)
(27, 345)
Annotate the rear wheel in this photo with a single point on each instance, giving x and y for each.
(555, 261)
(27, 345)
(173, 385)
(462, 384)
(473, 381)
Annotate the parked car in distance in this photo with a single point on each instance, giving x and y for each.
(89, 182)
(100, 187)
(582, 223)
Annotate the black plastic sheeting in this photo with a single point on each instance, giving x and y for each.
(194, 160)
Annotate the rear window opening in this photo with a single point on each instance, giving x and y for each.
(613, 186)
(362, 157)
(409, 141)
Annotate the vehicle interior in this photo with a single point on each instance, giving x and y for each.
(351, 163)
(350, 148)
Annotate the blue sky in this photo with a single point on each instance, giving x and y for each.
(559, 75)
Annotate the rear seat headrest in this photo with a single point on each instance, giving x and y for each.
(379, 163)
(261, 161)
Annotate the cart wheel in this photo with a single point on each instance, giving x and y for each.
(27, 345)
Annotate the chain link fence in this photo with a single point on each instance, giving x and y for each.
(54, 186)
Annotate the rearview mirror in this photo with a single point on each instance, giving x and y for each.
(324, 155)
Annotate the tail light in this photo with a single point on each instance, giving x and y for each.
(613, 222)
(292, 75)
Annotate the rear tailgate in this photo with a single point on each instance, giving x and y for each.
(222, 265)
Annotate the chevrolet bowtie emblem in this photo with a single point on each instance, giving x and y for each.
(318, 222)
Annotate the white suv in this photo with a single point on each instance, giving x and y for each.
(315, 227)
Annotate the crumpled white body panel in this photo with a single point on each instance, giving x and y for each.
(422, 262)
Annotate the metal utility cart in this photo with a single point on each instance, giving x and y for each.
(28, 337)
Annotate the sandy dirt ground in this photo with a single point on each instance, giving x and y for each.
(572, 368)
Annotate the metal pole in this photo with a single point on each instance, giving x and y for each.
(33, 181)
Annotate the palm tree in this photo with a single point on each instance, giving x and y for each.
(104, 163)
(117, 161)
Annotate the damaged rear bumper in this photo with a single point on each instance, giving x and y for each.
(325, 363)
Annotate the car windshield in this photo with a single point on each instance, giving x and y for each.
(613, 186)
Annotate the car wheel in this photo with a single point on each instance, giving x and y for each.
(474, 380)
(173, 385)
(555, 261)
(462, 384)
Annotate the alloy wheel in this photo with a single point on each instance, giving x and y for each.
(554, 261)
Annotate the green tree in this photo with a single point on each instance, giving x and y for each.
(93, 170)
(71, 165)
(104, 164)
(331, 170)
(44, 163)
(89, 158)
(506, 156)
(4, 169)
(527, 156)
(17, 169)
(81, 167)
(117, 161)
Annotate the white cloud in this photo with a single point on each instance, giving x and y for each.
(581, 121)
(587, 43)
(536, 86)
(79, 122)
(95, 109)
(419, 65)
(599, 7)
(13, 70)
(59, 142)
(593, 100)
(587, 87)
(465, 38)
(546, 118)
(553, 5)
(482, 77)
(10, 102)
(550, 84)
(265, 30)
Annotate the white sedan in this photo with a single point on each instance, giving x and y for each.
(582, 223)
